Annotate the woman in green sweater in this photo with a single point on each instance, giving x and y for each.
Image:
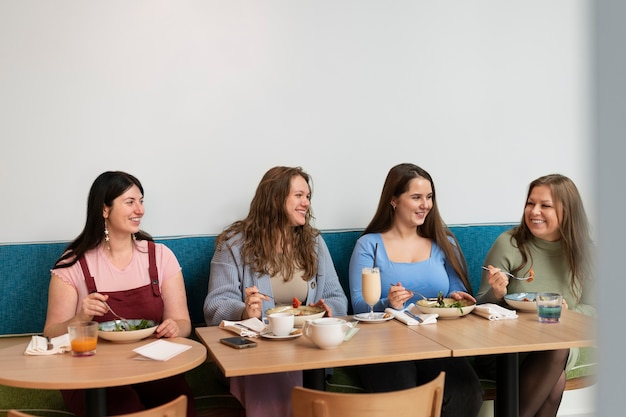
(554, 241)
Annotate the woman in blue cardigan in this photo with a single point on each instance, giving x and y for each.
(269, 258)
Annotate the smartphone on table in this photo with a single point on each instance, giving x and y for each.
(238, 342)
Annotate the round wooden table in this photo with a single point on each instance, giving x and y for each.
(114, 364)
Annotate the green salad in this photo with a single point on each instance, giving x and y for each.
(441, 303)
(120, 327)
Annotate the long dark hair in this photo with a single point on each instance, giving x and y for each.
(573, 226)
(434, 228)
(267, 223)
(106, 188)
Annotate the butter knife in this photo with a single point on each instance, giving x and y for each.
(408, 313)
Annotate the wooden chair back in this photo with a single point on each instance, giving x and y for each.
(422, 401)
(175, 408)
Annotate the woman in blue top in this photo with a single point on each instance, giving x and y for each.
(415, 252)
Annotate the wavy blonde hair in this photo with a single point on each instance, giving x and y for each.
(267, 225)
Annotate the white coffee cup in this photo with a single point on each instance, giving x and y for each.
(327, 332)
(280, 324)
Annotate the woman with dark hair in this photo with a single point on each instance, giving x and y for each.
(553, 240)
(415, 252)
(275, 251)
(113, 262)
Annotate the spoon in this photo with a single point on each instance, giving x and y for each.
(125, 323)
(508, 274)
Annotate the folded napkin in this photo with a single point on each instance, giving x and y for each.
(161, 350)
(494, 312)
(407, 319)
(351, 331)
(251, 327)
(38, 345)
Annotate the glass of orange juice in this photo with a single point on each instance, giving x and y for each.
(83, 337)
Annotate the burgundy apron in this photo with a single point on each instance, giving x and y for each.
(139, 303)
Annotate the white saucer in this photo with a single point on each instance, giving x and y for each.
(270, 335)
(378, 317)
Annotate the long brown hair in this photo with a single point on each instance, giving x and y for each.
(573, 225)
(267, 224)
(434, 228)
(106, 188)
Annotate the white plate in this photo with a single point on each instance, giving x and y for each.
(107, 331)
(524, 301)
(270, 335)
(428, 307)
(378, 317)
(301, 314)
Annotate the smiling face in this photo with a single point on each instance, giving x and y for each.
(298, 201)
(541, 214)
(412, 206)
(124, 216)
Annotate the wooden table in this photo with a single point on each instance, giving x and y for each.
(393, 342)
(390, 341)
(112, 365)
(473, 335)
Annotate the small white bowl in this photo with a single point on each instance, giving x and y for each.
(524, 301)
(109, 331)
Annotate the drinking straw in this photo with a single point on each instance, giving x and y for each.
(375, 250)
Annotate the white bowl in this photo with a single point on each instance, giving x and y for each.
(109, 331)
(301, 314)
(524, 301)
(431, 307)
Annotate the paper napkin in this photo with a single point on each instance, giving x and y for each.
(38, 345)
(161, 350)
(494, 312)
(251, 327)
(405, 318)
(351, 331)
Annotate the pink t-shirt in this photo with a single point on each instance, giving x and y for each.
(110, 278)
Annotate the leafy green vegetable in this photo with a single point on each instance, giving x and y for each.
(441, 303)
(119, 326)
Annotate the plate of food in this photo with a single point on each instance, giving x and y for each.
(115, 331)
(524, 301)
(301, 313)
(375, 317)
(447, 308)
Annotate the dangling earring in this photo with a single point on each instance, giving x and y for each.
(134, 236)
(106, 235)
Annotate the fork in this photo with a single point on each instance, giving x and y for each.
(508, 274)
(430, 300)
(125, 323)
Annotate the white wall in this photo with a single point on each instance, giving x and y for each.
(199, 98)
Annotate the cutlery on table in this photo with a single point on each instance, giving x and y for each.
(416, 317)
(430, 300)
(125, 324)
(508, 274)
